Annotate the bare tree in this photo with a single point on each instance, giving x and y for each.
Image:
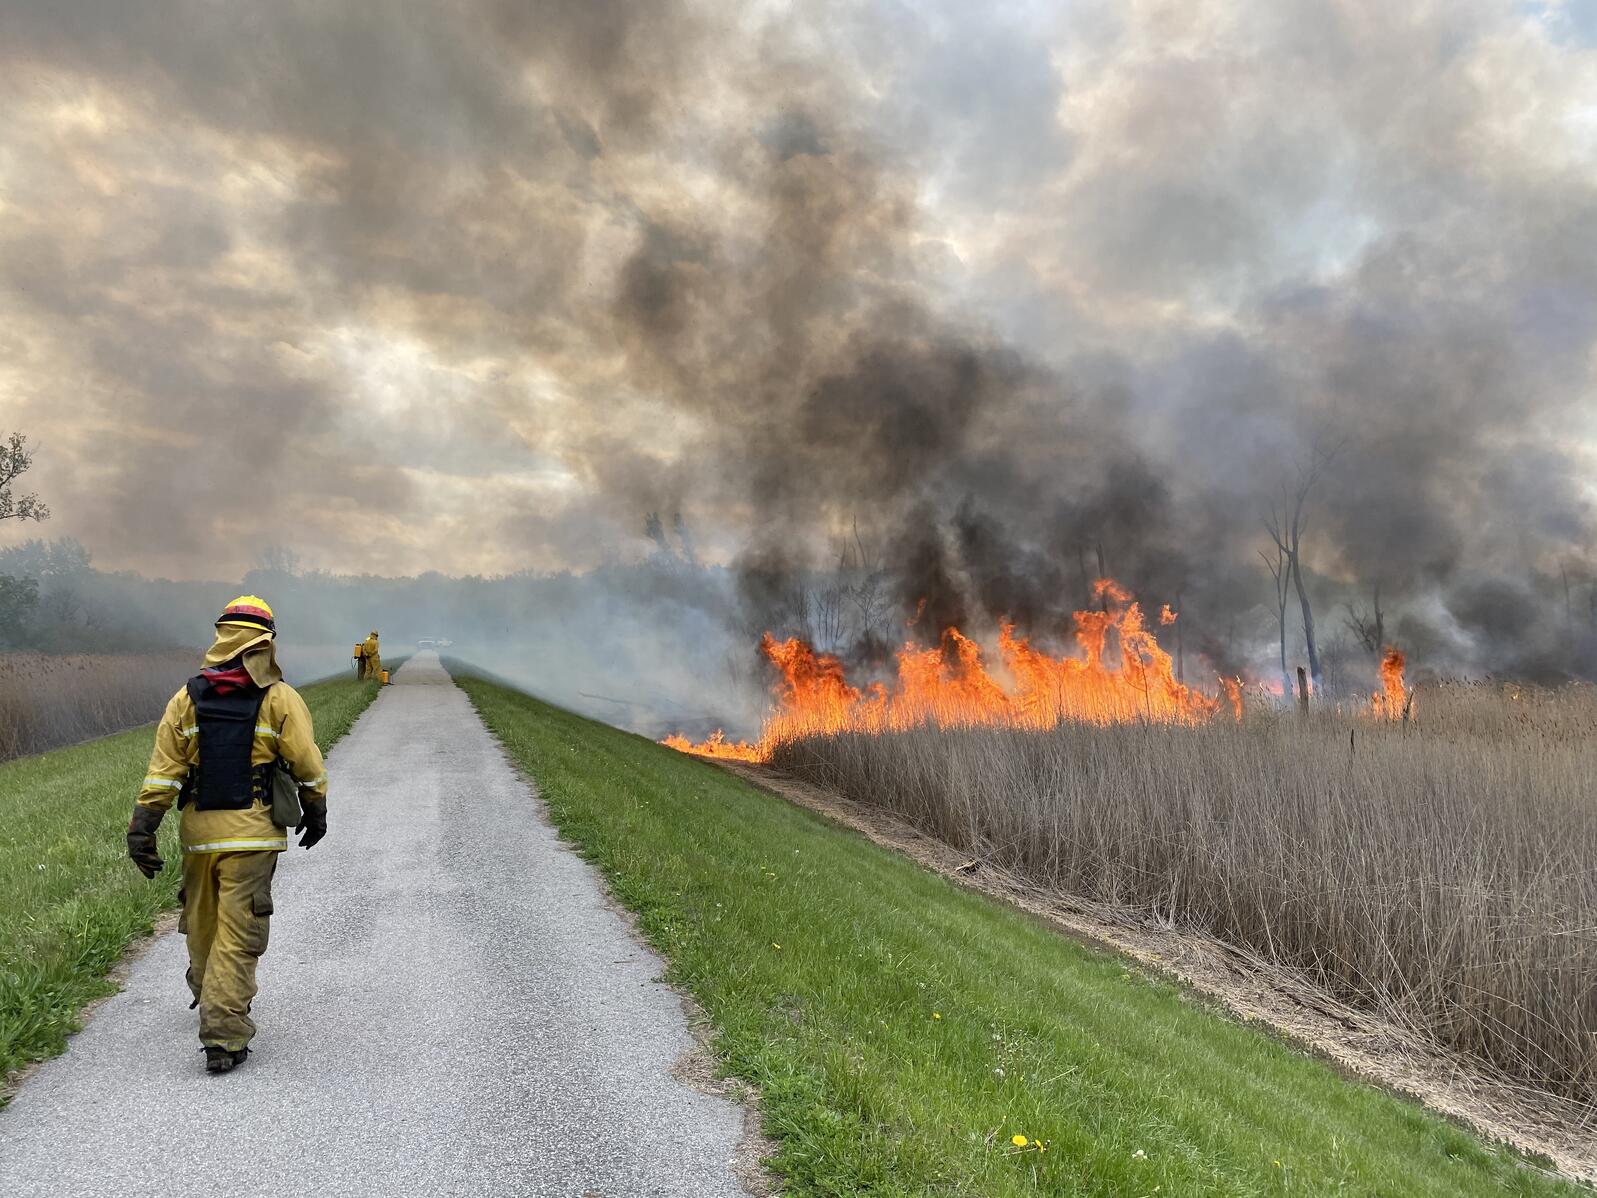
(1280, 572)
(1368, 627)
(1286, 526)
(830, 614)
(868, 592)
(15, 460)
(797, 610)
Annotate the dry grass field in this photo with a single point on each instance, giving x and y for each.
(1442, 870)
(51, 700)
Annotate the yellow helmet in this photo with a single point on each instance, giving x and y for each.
(249, 611)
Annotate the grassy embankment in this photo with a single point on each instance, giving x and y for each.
(70, 901)
(902, 1031)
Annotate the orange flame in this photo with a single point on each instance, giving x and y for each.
(717, 746)
(1392, 702)
(950, 686)
(1232, 689)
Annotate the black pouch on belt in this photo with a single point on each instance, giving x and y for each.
(286, 811)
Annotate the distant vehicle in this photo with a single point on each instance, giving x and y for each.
(431, 642)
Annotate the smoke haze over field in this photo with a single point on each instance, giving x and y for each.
(973, 289)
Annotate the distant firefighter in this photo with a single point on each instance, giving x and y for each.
(237, 752)
(372, 658)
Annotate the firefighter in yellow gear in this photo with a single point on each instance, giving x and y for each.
(371, 654)
(216, 752)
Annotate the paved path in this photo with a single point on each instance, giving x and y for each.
(448, 1007)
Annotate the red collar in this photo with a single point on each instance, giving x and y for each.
(224, 680)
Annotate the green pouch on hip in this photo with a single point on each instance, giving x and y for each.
(286, 811)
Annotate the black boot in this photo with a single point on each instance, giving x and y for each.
(220, 1060)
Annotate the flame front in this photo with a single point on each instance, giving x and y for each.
(950, 686)
(1392, 701)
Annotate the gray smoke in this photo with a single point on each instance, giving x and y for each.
(931, 306)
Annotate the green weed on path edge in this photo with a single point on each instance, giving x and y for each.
(70, 900)
(907, 1037)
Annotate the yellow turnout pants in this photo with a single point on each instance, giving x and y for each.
(375, 667)
(227, 907)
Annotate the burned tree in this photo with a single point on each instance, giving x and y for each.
(1280, 573)
(1286, 526)
(868, 593)
(1368, 626)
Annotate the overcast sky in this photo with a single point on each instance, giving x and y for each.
(472, 286)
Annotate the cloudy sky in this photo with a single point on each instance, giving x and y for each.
(472, 286)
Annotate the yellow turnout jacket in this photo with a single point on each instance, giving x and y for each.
(283, 729)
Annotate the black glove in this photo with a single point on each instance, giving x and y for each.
(312, 821)
(141, 839)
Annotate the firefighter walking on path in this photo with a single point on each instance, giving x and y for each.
(220, 749)
(371, 654)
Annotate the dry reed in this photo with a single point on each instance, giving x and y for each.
(47, 701)
(1442, 871)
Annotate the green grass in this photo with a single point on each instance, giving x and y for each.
(70, 901)
(906, 1029)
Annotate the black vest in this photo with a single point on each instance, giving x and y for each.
(225, 780)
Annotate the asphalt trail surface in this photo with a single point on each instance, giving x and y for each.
(448, 1006)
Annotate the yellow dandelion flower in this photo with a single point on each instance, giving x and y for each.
(935, 1015)
(1019, 1141)
(776, 946)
